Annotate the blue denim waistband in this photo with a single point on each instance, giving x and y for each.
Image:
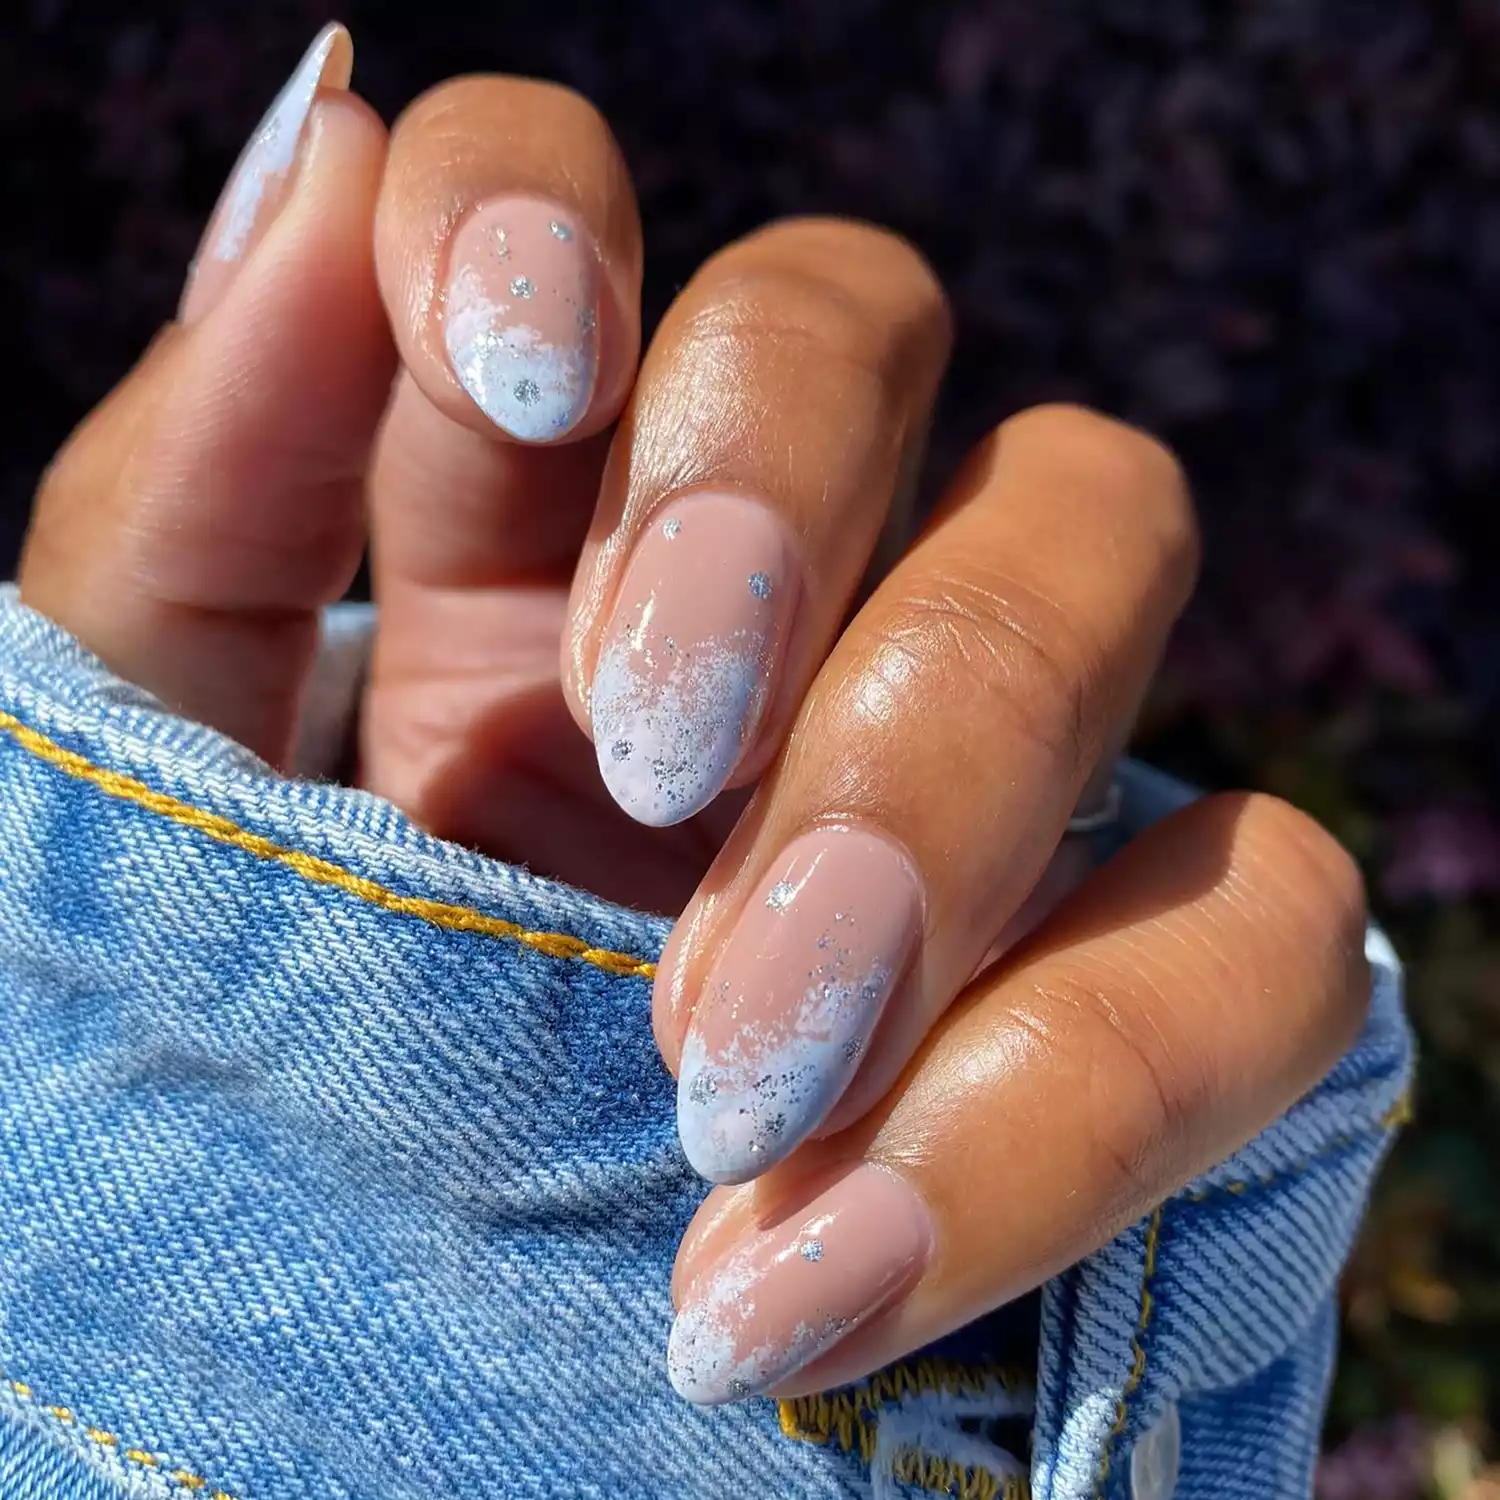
(339, 1162)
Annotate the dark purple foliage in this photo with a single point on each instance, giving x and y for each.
(1384, 1463)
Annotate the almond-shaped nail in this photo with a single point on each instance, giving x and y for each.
(787, 1294)
(689, 657)
(789, 1006)
(257, 187)
(520, 315)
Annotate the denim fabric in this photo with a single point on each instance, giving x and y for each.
(338, 1162)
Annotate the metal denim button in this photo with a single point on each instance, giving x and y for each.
(1156, 1458)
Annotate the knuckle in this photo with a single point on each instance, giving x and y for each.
(1013, 649)
(1109, 456)
(465, 111)
(893, 277)
(1157, 1093)
(859, 293)
(832, 243)
(781, 316)
(1297, 915)
(1328, 881)
(1322, 892)
(1098, 446)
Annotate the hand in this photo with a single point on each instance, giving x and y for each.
(431, 342)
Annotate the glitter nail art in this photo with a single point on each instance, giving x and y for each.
(788, 1010)
(685, 727)
(518, 317)
(258, 185)
(686, 668)
(787, 1294)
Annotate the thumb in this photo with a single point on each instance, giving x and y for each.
(194, 525)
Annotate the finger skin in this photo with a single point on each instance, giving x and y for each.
(511, 178)
(925, 785)
(475, 530)
(191, 530)
(1183, 998)
(775, 415)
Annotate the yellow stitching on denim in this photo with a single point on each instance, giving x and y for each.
(141, 1457)
(1399, 1114)
(310, 867)
(1402, 1112)
(1138, 1349)
(847, 1419)
(946, 1476)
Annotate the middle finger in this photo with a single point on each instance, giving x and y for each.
(927, 782)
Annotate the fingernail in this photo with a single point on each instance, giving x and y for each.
(788, 1009)
(258, 185)
(520, 317)
(686, 668)
(788, 1294)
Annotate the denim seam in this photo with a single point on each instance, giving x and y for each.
(839, 1420)
(1138, 1350)
(956, 1481)
(141, 1458)
(310, 867)
(1393, 1118)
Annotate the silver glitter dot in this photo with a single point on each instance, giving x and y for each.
(586, 320)
(522, 287)
(669, 529)
(502, 249)
(813, 1251)
(560, 231)
(760, 585)
(528, 392)
(621, 749)
(781, 895)
(738, 1389)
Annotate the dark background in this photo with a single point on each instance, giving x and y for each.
(1269, 231)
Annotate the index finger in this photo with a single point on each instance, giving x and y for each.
(509, 251)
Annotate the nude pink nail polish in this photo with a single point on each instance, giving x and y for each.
(788, 1294)
(789, 1008)
(686, 668)
(258, 186)
(520, 317)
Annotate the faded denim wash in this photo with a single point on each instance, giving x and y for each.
(338, 1162)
